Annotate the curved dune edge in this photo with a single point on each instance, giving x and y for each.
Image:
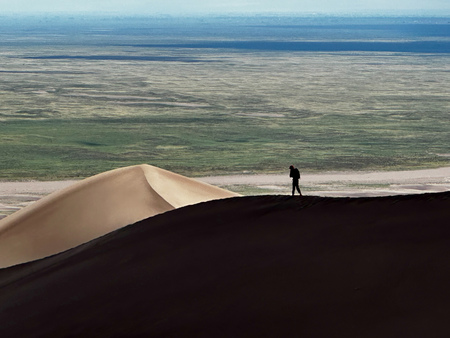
(94, 207)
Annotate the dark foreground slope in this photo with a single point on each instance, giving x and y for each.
(249, 266)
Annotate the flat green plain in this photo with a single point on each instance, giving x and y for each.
(219, 112)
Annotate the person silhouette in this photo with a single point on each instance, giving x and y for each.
(295, 174)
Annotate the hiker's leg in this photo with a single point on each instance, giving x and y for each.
(298, 189)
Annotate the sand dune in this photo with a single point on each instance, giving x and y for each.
(95, 206)
(265, 266)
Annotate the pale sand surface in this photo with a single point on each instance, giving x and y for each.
(90, 208)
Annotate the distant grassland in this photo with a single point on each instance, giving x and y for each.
(53, 148)
(226, 112)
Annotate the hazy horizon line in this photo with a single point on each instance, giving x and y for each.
(309, 14)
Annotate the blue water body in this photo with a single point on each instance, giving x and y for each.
(404, 35)
(317, 34)
(332, 46)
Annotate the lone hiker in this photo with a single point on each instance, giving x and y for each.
(295, 174)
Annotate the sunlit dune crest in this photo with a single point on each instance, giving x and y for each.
(94, 207)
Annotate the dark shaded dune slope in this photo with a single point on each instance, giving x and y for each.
(248, 266)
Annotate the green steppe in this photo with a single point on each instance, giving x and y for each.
(228, 113)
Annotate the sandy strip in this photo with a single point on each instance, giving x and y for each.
(439, 175)
(346, 184)
(33, 187)
(426, 176)
(16, 195)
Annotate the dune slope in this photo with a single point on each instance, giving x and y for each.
(95, 206)
(248, 266)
